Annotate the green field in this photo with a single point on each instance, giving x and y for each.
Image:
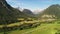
(42, 29)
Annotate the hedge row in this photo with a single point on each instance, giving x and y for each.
(20, 27)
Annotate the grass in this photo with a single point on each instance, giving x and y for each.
(19, 23)
(47, 29)
(43, 29)
(1, 33)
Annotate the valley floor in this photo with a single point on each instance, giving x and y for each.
(42, 29)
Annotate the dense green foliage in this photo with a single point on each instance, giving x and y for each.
(52, 10)
(6, 13)
(9, 14)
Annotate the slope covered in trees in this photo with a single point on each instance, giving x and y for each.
(52, 11)
(9, 14)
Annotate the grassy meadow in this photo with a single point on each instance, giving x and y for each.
(44, 28)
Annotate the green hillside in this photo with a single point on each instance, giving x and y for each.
(53, 11)
(7, 14)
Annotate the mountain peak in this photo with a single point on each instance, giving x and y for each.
(27, 11)
(55, 5)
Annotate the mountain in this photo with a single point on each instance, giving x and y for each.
(52, 11)
(37, 11)
(28, 12)
(7, 13)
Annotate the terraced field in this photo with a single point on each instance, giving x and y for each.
(51, 28)
(43, 29)
(47, 29)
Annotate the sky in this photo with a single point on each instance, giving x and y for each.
(32, 4)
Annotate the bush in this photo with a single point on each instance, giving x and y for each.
(21, 27)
